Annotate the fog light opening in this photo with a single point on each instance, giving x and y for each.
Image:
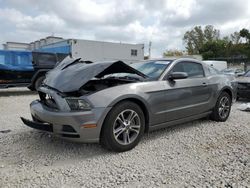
(89, 126)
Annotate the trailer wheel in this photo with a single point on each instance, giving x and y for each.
(38, 82)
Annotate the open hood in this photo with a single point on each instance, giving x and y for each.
(71, 74)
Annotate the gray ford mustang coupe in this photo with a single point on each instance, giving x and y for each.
(114, 103)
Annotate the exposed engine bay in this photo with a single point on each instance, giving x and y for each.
(95, 85)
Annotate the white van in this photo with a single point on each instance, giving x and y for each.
(219, 65)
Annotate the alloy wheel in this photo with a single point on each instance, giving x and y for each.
(224, 107)
(126, 127)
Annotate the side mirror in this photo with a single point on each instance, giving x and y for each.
(177, 75)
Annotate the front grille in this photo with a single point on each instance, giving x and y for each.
(48, 100)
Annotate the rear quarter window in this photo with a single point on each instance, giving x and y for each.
(194, 70)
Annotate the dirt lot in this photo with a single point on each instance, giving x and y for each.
(201, 153)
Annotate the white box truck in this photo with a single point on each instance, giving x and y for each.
(219, 65)
(97, 50)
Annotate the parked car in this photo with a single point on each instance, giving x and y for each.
(25, 68)
(243, 90)
(234, 71)
(114, 103)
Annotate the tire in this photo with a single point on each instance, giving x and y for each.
(222, 108)
(38, 82)
(118, 134)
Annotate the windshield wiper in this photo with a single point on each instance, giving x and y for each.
(75, 62)
(124, 78)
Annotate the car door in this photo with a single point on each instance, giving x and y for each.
(187, 97)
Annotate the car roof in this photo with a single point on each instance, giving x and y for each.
(174, 58)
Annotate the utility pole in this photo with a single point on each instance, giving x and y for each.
(149, 49)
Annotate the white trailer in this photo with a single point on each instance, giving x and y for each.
(219, 65)
(98, 50)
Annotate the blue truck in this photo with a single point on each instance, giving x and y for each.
(26, 68)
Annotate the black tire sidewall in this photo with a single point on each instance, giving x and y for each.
(38, 82)
(107, 130)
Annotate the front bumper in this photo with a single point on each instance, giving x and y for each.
(68, 125)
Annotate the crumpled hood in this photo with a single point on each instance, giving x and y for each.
(71, 74)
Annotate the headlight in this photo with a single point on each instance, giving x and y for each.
(76, 104)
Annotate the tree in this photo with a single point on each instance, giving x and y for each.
(197, 37)
(235, 38)
(215, 48)
(172, 53)
(244, 33)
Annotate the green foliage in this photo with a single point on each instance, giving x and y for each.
(208, 43)
(197, 37)
(215, 48)
(172, 53)
(245, 34)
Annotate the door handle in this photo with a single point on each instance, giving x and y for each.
(204, 84)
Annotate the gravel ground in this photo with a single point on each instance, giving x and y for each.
(197, 154)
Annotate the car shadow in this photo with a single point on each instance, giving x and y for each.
(164, 132)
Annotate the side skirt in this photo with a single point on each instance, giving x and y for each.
(179, 121)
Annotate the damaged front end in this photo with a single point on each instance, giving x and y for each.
(65, 107)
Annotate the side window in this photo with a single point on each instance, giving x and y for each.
(22, 59)
(5, 58)
(194, 70)
(2, 58)
(44, 59)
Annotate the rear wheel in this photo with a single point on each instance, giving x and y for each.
(222, 108)
(39, 81)
(123, 127)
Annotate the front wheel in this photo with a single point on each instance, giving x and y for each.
(123, 127)
(222, 108)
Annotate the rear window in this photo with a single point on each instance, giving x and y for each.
(212, 71)
(44, 59)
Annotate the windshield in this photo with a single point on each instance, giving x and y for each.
(153, 69)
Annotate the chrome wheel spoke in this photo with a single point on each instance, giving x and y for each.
(126, 138)
(135, 128)
(118, 131)
(131, 116)
(121, 116)
(120, 120)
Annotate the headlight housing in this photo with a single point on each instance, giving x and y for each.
(77, 104)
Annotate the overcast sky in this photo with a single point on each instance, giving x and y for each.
(131, 21)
